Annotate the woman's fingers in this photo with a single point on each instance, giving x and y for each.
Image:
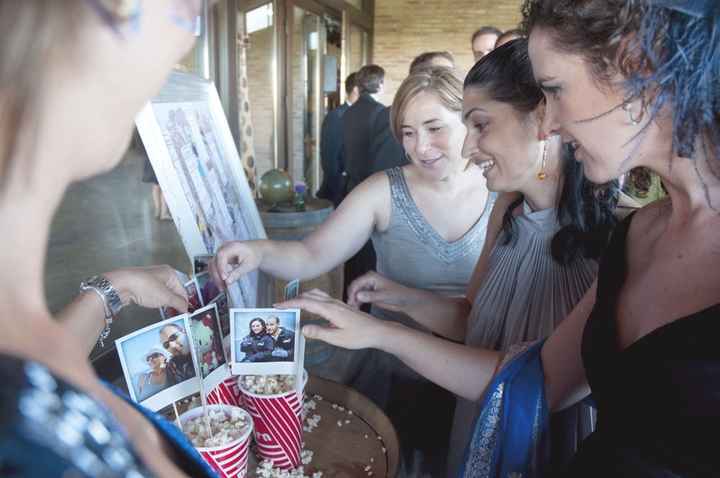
(231, 261)
(215, 274)
(366, 281)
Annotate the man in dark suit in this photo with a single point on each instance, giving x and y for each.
(332, 150)
(358, 134)
(358, 124)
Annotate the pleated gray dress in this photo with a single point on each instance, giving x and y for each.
(524, 296)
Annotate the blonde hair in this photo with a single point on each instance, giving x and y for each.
(439, 81)
(32, 33)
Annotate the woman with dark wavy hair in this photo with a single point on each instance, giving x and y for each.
(540, 255)
(627, 84)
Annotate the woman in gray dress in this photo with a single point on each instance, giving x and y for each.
(540, 254)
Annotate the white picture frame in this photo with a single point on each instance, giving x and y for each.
(194, 156)
(242, 364)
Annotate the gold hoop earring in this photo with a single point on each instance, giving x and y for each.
(542, 175)
(628, 109)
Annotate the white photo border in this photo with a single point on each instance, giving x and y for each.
(266, 368)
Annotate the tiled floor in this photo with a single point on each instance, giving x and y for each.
(105, 223)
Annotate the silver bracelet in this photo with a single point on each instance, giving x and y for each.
(110, 299)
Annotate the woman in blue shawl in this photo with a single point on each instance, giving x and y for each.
(628, 83)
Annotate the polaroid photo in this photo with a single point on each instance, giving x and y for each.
(194, 301)
(292, 289)
(187, 403)
(206, 337)
(169, 413)
(208, 290)
(265, 341)
(201, 263)
(223, 308)
(159, 363)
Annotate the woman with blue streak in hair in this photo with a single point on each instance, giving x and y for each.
(629, 83)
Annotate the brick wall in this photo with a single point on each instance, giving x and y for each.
(405, 28)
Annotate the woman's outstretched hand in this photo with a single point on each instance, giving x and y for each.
(349, 328)
(373, 288)
(233, 260)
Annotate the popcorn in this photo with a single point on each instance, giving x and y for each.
(267, 384)
(312, 423)
(306, 457)
(223, 428)
(265, 469)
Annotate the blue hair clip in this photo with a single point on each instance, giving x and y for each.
(694, 8)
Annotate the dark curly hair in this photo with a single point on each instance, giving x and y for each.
(668, 48)
(584, 210)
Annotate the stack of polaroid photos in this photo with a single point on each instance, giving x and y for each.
(164, 363)
(167, 364)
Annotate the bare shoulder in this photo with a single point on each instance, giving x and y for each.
(371, 189)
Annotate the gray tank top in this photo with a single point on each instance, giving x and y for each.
(412, 253)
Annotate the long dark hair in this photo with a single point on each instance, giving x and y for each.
(584, 210)
(257, 319)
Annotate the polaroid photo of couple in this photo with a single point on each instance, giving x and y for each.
(266, 342)
(165, 361)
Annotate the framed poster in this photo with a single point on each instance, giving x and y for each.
(191, 148)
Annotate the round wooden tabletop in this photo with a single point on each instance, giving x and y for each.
(354, 438)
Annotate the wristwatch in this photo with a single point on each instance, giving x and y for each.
(110, 299)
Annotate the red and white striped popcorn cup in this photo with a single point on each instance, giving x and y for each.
(278, 425)
(231, 459)
(227, 392)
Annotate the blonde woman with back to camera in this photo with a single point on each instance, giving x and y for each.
(74, 74)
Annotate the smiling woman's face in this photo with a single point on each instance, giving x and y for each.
(256, 326)
(432, 136)
(501, 140)
(584, 112)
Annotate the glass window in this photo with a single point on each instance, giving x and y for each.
(259, 18)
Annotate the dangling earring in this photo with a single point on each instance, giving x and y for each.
(542, 175)
(628, 109)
